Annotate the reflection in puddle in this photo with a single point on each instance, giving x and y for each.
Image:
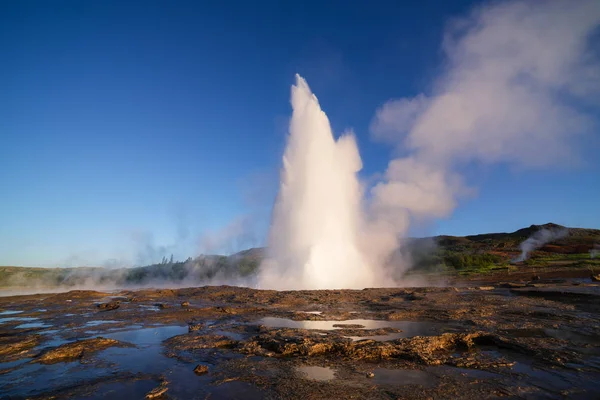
(17, 319)
(148, 336)
(409, 328)
(10, 312)
(123, 390)
(12, 364)
(100, 322)
(33, 325)
(317, 373)
(385, 376)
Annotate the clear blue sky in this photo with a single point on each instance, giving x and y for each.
(135, 127)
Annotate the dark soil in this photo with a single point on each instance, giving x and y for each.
(514, 338)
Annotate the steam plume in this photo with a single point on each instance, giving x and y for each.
(519, 76)
(538, 239)
(314, 240)
(518, 81)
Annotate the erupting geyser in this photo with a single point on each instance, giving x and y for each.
(314, 237)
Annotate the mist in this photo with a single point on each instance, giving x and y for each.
(518, 88)
(538, 239)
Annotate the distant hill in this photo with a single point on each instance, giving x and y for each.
(448, 254)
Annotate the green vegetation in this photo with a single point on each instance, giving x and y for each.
(476, 254)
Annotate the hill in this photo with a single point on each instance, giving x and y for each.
(550, 245)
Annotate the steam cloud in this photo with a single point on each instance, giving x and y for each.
(520, 81)
(538, 239)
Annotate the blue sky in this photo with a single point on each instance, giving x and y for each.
(133, 129)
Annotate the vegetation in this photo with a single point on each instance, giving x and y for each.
(441, 254)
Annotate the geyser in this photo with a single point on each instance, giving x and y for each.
(314, 236)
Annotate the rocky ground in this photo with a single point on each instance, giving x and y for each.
(520, 339)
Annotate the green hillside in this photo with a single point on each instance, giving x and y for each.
(441, 254)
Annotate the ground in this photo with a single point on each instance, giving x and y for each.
(506, 337)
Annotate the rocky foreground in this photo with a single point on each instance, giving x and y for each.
(520, 339)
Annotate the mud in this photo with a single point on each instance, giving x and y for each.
(515, 339)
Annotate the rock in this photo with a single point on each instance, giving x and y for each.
(157, 391)
(370, 375)
(74, 350)
(185, 304)
(10, 345)
(486, 288)
(161, 305)
(536, 278)
(111, 305)
(194, 326)
(201, 369)
(595, 278)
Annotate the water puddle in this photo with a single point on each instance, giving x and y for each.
(33, 325)
(317, 373)
(10, 312)
(100, 322)
(150, 308)
(408, 328)
(16, 319)
(384, 376)
(12, 364)
(123, 390)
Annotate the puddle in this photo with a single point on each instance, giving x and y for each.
(148, 336)
(150, 308)
(100, 322)
(409, 328)
(384, 376)
(317, 373)
(123, 390)
(17, 319)
(12, 364)
(379, 338)
(10, 312)
(33, 379)
(33, 325)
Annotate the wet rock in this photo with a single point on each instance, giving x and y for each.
(185, 304)
(370, 375)
(78, 349)
(193, 341)
(194, 326)
(14, 345)
(511, 285)
(111, 305)
(162, 306)
(157, 391)
(486, 288)
(595, 278)
(201, 369)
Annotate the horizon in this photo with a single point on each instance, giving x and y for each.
(135, 132)
(184, 260)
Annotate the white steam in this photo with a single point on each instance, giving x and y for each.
(538, 239)
(519, 85)
(314, 238)
(518, 76)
